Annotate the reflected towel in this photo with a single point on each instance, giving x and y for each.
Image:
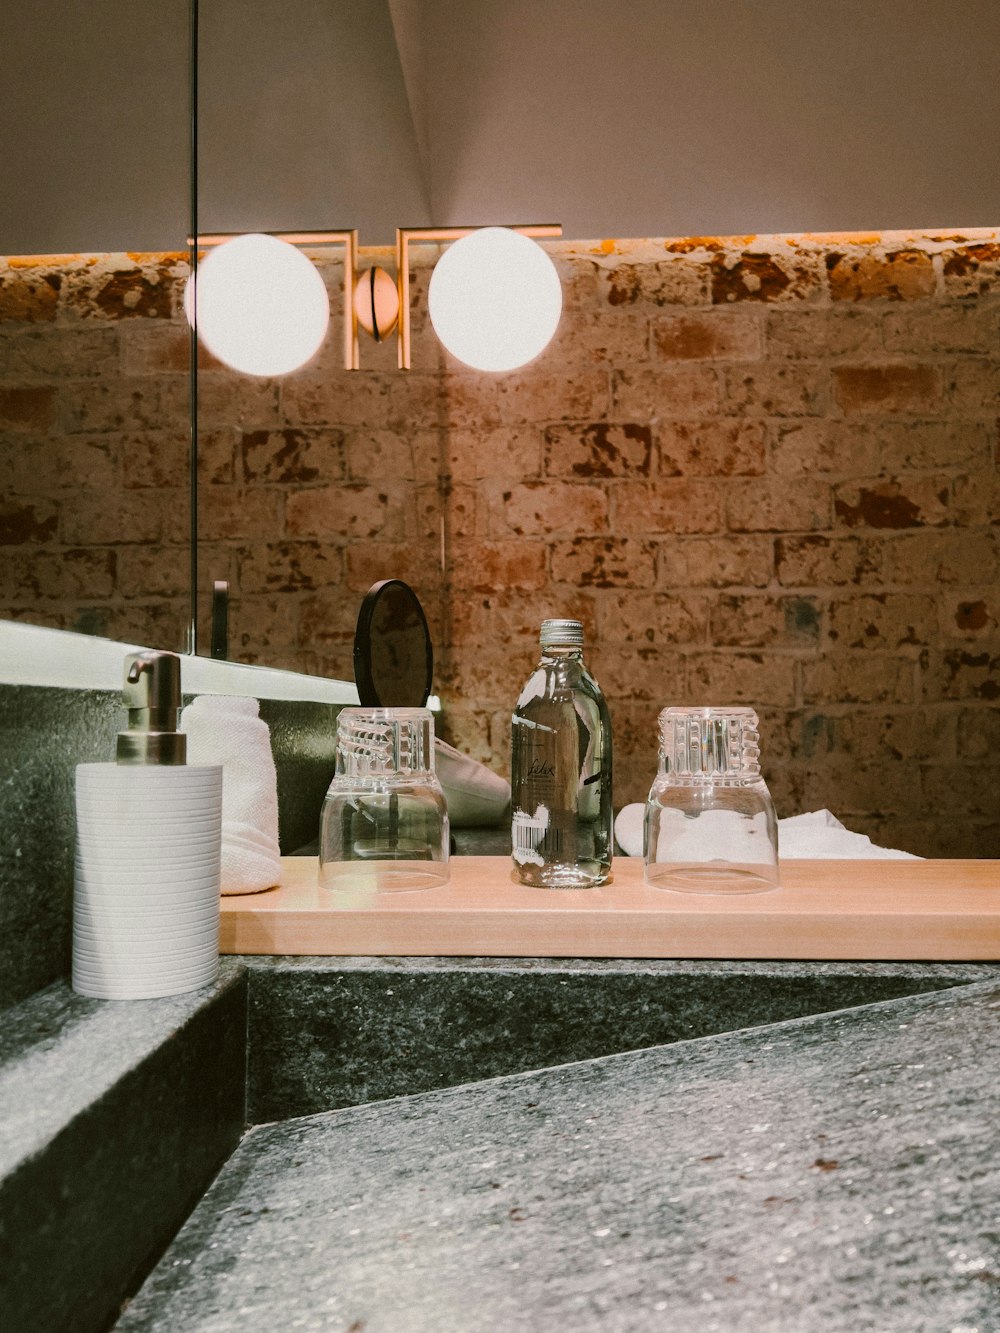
(226, 730)
(817, 835)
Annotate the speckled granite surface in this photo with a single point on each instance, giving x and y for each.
(116, 1115)
(331, 1032)
(837, 1173)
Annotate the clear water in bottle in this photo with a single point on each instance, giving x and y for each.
(561, 828)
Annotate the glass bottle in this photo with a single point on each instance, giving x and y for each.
(561, 827)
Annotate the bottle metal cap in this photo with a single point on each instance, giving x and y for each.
(563, 632)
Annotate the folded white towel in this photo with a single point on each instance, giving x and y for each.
(476, 796)
(227, 730)
(817, 835)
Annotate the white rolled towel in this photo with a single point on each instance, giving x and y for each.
(227, 730)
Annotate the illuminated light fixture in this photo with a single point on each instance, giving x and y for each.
(262, 307)
(506, 285)
(495, 299)
(376, 303)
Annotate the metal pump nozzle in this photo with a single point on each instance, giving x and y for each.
(152, 695)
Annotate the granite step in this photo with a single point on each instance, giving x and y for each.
(116, 1115)
(831, 1173)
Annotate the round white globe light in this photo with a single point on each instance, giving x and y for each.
(495, 299)
(262, 306)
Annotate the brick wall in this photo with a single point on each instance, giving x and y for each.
(760, 469)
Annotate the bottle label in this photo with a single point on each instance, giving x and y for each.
(528, 834)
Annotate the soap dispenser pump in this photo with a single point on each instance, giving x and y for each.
(152, 695)
(148, 848)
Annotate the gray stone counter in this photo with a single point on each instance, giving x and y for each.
(832, 1173)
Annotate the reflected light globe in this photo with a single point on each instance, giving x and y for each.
(495, 299)
(262, 306)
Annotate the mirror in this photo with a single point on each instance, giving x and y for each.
(393, 658)
(398, 112)
(94, 379)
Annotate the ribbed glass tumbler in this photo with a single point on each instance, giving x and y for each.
(710, 824)
(384, 825)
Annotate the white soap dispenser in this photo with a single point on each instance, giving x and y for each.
(148, 845)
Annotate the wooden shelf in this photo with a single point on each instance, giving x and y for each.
(930, 910)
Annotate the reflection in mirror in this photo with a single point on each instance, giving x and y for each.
(94, 393)
(393, 658)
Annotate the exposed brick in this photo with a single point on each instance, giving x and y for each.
(415, 455)
(536, 394)
(289, 566)
(978, 733)
(718, 336)
(603, 337)
(57, 574)
(972, 270)
(792, 389)
(955, 791)
(95, 518)
(853, 677)
(887, 388)
(900, 275)
(499, 566)
(715, 562)
(382, 401)
(604, 562)
(27, 522)
(649, 393)
(645, 287)
(370, 561)
(765, 277)
(140, 292)
(638, 671)
(883, 621)
(239, 511)
(29, 297)
(667, 504)
(919, 445)
(265, 623)
(124, 405)
(972, 386)
(745, 621)
(933, 557)
(975, 499)
(656, 407)
(292, 457)
(348, 510)
(808, 446)
(970, 614)
(728, 447)
(944, 328)
(514, 452)
(821, 331)
(26, 407)
(764, 680)
(652, 617)
(756, 505)
(873, 790)
(912, 502)
(599, 449)
(817, 560)
(557, 508)
(39, 465)
(972, 672)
